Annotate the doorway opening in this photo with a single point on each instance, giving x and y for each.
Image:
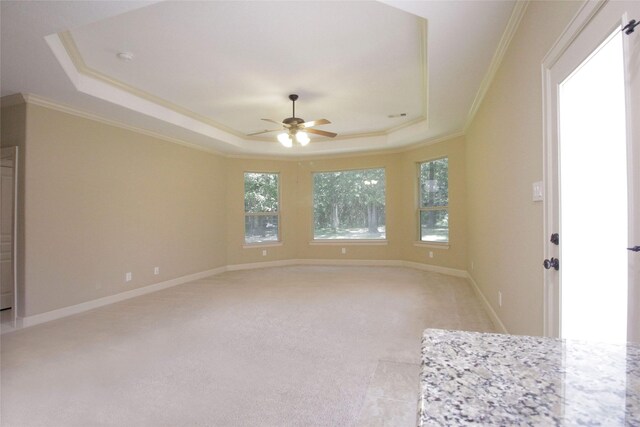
(592, 172)
(593, 197)
(8, 233)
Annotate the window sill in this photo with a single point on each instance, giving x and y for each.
(432, 245)
(261, 245)
(348, 242)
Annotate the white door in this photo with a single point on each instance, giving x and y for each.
(592, 166)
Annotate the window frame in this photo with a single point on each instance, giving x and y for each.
(420, 208)
(346, 242)
(276, 242)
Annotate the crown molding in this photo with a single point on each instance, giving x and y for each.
(374, 152)
(71, 49)
(15, 99)
(424, 60)
(73, 52)
(517, 13)
(32, 99)
(46, 103)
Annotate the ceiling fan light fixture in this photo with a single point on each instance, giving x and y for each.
(302, 138)
(285, 139)
(296, 129)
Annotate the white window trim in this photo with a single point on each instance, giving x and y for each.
(257, 245)
(348, 242)
(430, 243)
(278, 242)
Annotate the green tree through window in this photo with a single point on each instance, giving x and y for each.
(261, 207)
(349, 204)
(433, 210)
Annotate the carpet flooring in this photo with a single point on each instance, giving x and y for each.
(287, 346)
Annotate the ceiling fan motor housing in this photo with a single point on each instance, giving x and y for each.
(294, 121)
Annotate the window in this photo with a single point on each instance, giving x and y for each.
(433, 210)
(349, 204)
(261, 207)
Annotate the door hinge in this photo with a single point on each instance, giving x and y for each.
(630, 27)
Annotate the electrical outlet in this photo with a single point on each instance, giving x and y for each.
(499, 299)
(344, 251)
(156, 270)
(430, 254)
(128, 277)
(264, 252)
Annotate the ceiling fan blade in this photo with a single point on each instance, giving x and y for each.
(273, 121)
(321, 132)
(264, 131)
(316, 123)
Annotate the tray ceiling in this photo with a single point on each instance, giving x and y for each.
(205, 73)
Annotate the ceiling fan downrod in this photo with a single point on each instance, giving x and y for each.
(293, 97)
(293, 121)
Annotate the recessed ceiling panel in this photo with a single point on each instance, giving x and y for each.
(354, 63)
(204, 73)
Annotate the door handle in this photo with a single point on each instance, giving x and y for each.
(552, 263)
(634, 249)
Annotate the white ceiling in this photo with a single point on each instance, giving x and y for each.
(204, 73)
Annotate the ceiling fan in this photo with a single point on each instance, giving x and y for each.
(296, 128)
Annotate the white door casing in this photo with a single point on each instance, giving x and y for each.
(8, 229)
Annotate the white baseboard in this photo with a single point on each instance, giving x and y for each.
(23, 322)
(355, 262)
(436, 269)
(492, 314)
(290, 262)
(6, 300)
(351, 262)
(265, 264)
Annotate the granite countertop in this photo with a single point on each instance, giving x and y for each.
(492, 379)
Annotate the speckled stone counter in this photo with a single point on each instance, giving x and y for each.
(491, 379)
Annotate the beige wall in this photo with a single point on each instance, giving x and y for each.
(238, 252)
(99, 201)
(401, 218)
(102, 201)
(504, 157)
(455, 256)
(13, 125)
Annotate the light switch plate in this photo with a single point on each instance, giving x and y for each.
(537, 194)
